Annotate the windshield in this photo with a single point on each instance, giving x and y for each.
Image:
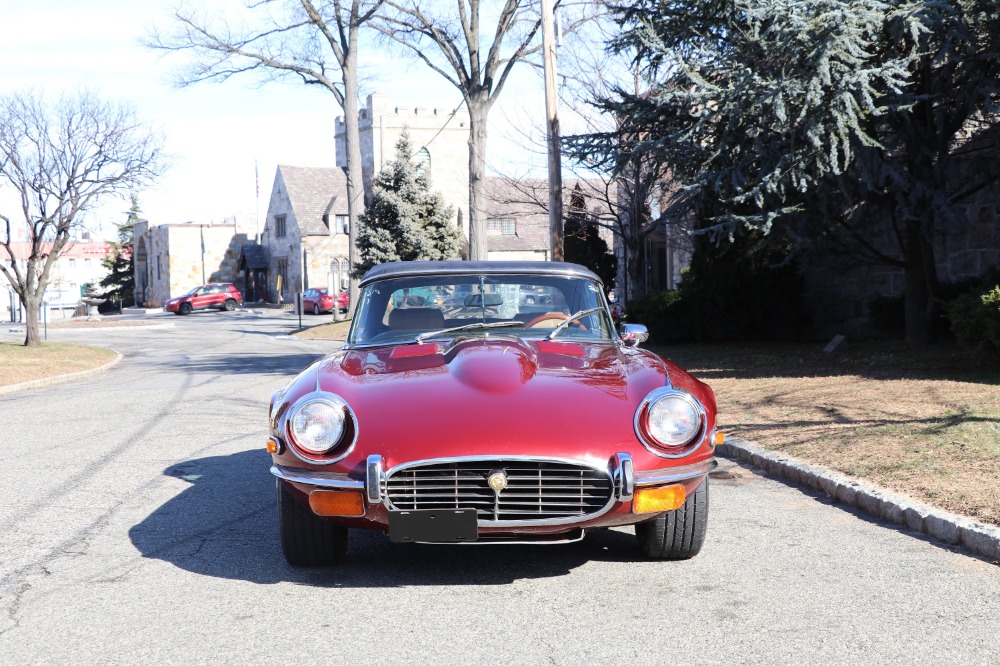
(442, 307)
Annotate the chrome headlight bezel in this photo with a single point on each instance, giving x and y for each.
(340, 448)
(685, 445)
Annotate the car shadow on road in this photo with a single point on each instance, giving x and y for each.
(225, 525)
(252, 364)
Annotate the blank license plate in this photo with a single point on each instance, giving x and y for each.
(433, 526)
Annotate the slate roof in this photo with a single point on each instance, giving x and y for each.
(524, 205)
(526, 201)
(313, 193)
(254, 256)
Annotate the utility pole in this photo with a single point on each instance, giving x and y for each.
(552, 129)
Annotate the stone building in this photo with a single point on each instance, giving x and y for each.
(305, 238)
(170, 259)
(440, 139)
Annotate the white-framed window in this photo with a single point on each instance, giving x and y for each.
(502, 226)
(72, 264)
(345, 274)
(343, 223)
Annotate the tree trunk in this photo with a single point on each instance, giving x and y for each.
(634, 271)
(355, 180)
(31, 336)
(921, 305)
(478, 111)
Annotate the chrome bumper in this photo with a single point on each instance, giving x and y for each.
(626, 479)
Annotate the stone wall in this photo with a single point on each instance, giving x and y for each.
(840, 290)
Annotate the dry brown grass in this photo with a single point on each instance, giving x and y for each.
(333, 331)
(922, 423)
(22, 364)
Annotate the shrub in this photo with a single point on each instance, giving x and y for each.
(746, 289)
(975, 318)
(660, 312)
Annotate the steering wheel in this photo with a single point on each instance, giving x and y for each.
(550, 317)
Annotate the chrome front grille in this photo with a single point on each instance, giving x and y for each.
(536, 490)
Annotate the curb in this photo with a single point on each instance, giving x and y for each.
(59, 379)
(948, 527)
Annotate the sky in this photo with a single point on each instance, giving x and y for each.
(218, 134)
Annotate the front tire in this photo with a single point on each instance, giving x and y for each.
(677, 534)
(306, 539)
(229, 305)
(184, 309)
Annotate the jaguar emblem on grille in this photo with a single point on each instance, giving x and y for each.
(497, 480)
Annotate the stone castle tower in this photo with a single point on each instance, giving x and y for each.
(440, 139)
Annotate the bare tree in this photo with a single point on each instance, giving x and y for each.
(315, 43)
(632, 192)
(624, 200)
(451, 44)
(63, 159)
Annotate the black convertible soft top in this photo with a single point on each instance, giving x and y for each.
(416, 268)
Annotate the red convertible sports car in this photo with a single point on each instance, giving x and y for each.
(490, 402)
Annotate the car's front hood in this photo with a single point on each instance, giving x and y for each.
(492, 396)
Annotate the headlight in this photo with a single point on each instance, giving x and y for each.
(320, 423)
(669, 420)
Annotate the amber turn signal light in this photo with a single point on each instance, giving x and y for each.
(337, 502)
(718, 439)
(657, 500)
(273, 446)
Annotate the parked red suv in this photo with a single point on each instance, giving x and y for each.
(221, 295)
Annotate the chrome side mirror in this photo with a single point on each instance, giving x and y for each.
(633, 335)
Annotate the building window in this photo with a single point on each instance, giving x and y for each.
(279, 226)
(343, 224)
(72, 264)
(345, 274)
(501, 227)
(422, 161)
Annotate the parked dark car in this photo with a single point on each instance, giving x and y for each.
(490, 419)
(319, 299)
(219, 295)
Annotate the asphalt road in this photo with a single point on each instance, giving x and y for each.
(138, 525)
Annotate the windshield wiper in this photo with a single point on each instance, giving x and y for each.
(467, 327)
(569, 320)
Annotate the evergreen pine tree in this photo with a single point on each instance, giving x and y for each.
(583, 245)
(839, 118)
(405, 220)
(119, 284)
